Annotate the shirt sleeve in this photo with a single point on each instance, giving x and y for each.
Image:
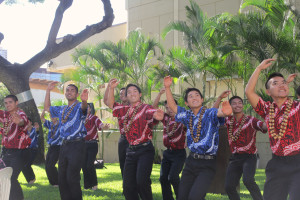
(55, 111)
(47, 124)
(261, 108)
(213, 116)
(117, 109)
(1, 116)
(150, 112)
(98, 123)
(181, 115)
(24, 117)
(258, 125)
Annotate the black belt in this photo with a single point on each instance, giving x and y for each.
(123, 136)
(202, 156)
(138, 146)
(74, 140)
(91, 141)
(286, 158)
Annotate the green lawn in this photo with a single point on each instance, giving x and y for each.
(110, 185)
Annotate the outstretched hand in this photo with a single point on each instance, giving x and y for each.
(168, 81)
(226, 108)
(84, 95)
(225, 94)
(291, 77)
(106, 127)
(159, 115)
(52, 85)
(17, 119)
(113, 83)
(266, 63)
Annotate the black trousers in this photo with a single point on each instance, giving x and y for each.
(196, 178)
(137, 171)
(88, 168)
(171, 166)
(242, 164)
(122, 147)
(51, 160)
(17, 159)
(71, 156)
(283, 178)
(27, 170)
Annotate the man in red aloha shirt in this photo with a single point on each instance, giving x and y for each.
(122, 143)
(92, 125)
(138, 120)
(174, 156)
(282, 117)
(15, 141)
(241, 131)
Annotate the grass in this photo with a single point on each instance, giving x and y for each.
(110, 185)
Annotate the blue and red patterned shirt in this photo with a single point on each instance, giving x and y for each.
(209, 134)
(53, 133)
(73, 128)
(247, 137)
(92, 125)
(142, 125)
(173, 139)
(34, 135)
(289, 144)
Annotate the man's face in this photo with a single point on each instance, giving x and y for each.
(194, 100)
(10, 104)
(169, 111)
(71, 93)
(236, 105)
(278, 87)
(133, 95)
(122, 96)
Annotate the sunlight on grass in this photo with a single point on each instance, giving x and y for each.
(110, 185)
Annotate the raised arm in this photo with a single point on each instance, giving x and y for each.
(291, 77)
(157, 99)
(84, 98)
(111, 88)
(253, 98)
(219, 99)
(105, 99)
(43, 116)
(171, 103)
(47, 102)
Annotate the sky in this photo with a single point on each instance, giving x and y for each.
(26, 26)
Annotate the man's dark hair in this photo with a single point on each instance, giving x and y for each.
(275, 74)
(188, 90)
(235, 97)
(122, 89)
(72, 85)
(167, 102)
(298, 91)
(91, 105)
(13, 97)
(132, 85)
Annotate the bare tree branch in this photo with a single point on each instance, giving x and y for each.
(62, 7)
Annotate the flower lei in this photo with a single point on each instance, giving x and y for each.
(7, 125)
(170, 134)
(127, 128)
(283, 123)
(236, 136)
(64, 119)
(196, 139)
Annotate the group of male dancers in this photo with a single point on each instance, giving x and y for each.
(73, 137)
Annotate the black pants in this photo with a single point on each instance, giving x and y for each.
(196, 178)
(69, 165)
(27, 170)
(137, 171)
(51, 160)
(283, 178)
(17, 159)
(171, 166)
(242, 164)
(88, 168)
(122, 147)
